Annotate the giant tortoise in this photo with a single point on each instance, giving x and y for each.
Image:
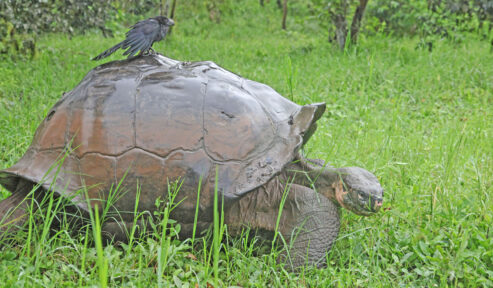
(151, 120)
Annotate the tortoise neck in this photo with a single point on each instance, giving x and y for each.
(314, 173)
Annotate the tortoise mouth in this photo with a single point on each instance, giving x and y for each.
(370, 202)
(358, 201)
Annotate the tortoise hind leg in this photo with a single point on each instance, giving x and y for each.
(14, 210)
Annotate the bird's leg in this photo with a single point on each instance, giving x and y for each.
(149, 51)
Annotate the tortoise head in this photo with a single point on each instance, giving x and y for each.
(358, 191)
(353, 188)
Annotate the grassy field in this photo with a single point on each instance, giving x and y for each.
(421, 121)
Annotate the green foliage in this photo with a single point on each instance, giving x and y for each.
(428, 19)
(446, 18)
(21, 21)
(137, 7)
(41, 16)
(12, 43)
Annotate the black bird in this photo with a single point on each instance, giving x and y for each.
(141, 36)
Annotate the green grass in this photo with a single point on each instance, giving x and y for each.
(421, 121)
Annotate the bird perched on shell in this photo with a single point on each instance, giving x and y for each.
(141, 37)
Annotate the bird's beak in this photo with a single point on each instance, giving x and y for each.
(171, 22)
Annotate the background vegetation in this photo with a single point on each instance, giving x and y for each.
(23, 20)
(419, 118)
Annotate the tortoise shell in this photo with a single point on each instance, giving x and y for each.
(151, 120)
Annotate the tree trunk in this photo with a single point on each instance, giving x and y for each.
(279, 4)
(172, 15)
(338, 16)
(284, 14)
(356, 25)
(341, 30)
(164, 7)
(214, 12)
(173, 7)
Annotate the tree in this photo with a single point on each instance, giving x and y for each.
(338, 11)
(172, 14)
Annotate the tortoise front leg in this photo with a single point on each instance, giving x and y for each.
(309, 221)
(311, 226)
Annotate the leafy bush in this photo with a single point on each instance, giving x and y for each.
(39, 16)
(430, 17)
(13, 43)
(137, 7)
(22, 20)
(427, 19)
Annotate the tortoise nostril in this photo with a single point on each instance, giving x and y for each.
(376, 206)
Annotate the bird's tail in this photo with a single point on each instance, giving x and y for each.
(108, 52)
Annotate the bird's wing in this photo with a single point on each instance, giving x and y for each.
(141, 36)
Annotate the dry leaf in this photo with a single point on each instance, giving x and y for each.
(191, 256)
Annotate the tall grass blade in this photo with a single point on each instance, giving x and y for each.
(216, 241)
(197, 206)
(102, 262)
